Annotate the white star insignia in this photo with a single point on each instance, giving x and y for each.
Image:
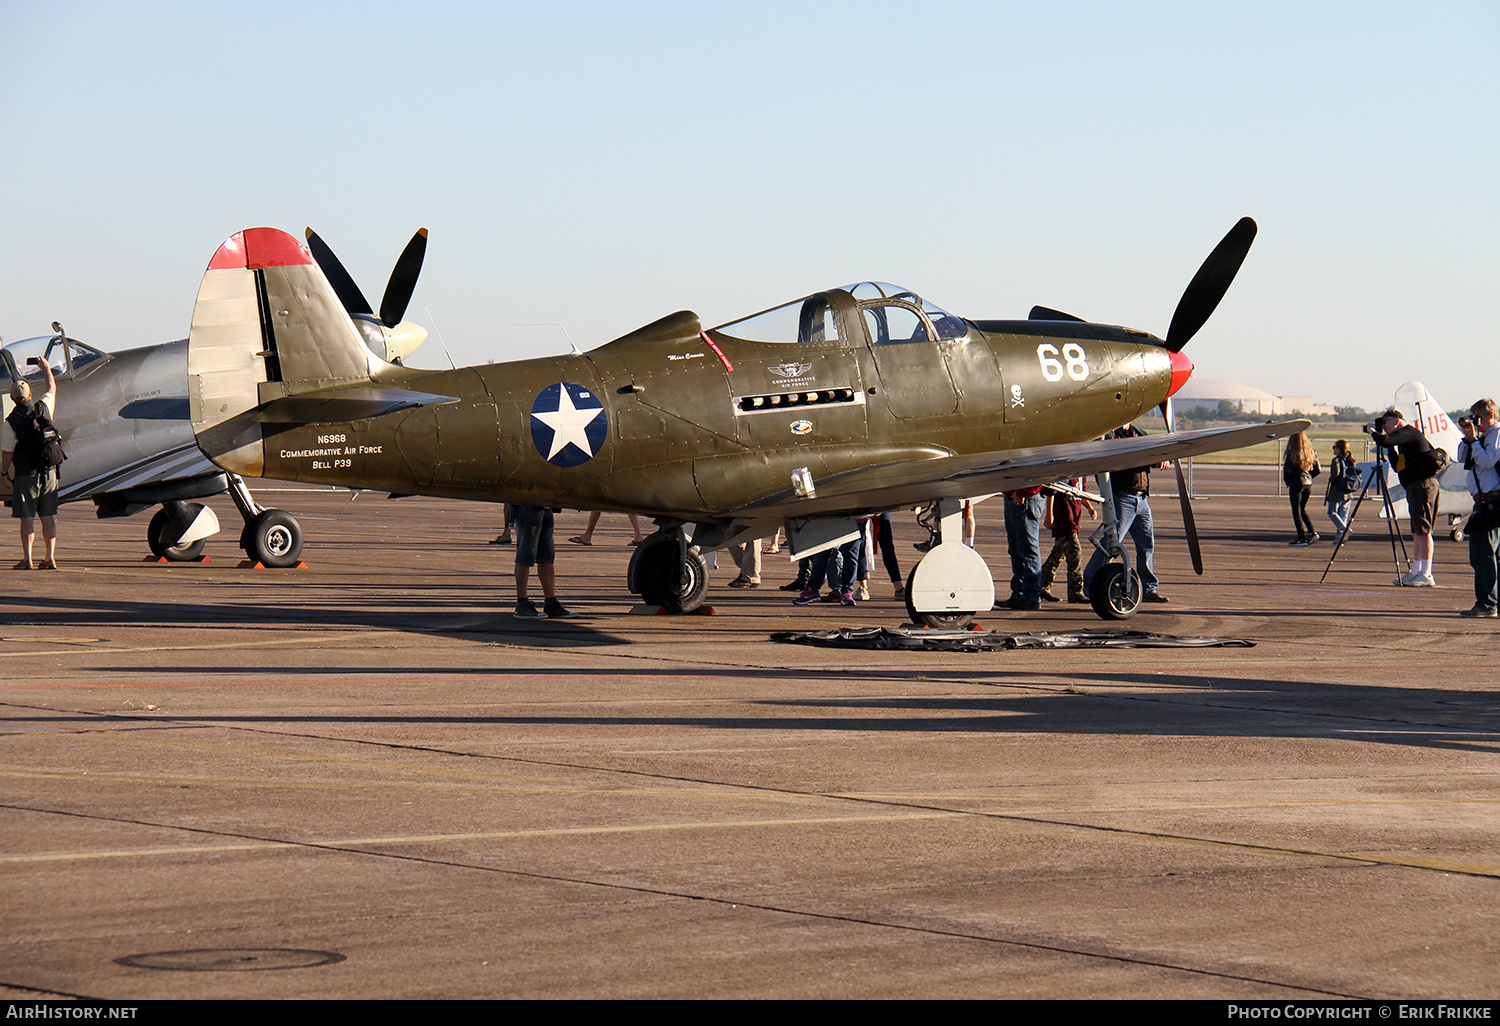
(569, 423)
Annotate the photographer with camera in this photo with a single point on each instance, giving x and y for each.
(30, 454)
(1479, 452)
(1417, 464)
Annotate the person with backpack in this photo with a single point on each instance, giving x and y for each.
(1343, 482)
(1417, 464)
(30, 453)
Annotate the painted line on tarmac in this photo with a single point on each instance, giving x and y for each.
(353, 844)
(737, 903)
(1050, 825)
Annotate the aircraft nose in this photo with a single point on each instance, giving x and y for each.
(1182, 369)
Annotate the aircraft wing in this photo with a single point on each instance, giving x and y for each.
(913, 482)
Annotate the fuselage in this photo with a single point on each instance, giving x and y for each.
(674, 421)
(123, 416)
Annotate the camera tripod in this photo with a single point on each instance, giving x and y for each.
(1377, 474)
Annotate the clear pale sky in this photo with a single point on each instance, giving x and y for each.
(604, 164)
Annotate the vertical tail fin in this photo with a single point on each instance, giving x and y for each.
(1428, 415)
(266, 325)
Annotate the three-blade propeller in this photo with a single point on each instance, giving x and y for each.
(395, 340)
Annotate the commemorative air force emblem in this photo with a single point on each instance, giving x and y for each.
(568, 424)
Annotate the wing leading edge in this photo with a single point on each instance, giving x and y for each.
(913, 482)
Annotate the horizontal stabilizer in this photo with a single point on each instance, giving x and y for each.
(352, 402)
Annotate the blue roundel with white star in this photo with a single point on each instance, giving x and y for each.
(568, 424)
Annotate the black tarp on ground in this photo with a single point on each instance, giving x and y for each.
(990, 641)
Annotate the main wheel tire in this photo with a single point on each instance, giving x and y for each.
(1112, 595)
(941, 621)
(274, 538)
(657, 569)
(172, 553)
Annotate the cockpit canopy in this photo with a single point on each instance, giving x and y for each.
(67, 357)
(890, 315)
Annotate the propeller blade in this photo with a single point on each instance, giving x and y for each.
(403, 280)
(1046, 313)
(1187, 519)
(1188, 523)
(343, 285)
(1209, 284)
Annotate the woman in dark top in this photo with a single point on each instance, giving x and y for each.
(1298, 471)
(1343, 482)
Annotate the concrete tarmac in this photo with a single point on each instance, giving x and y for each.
(366, 779)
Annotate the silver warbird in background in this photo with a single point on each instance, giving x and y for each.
(126, 429)
(124, 423)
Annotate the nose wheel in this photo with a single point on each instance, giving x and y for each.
(1116, 592)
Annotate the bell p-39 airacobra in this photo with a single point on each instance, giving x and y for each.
(123, 418)
(812, 414)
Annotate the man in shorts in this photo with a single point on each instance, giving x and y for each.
(35, 485)
(1412, 458)
(534, 548)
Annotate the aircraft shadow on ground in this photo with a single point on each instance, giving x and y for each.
(1244, 708)
(450, 619)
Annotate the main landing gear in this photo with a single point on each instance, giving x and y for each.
(179, 530)
(667, 571)
(952, 582)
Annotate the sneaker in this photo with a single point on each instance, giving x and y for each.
(925, 545)
(1298, 543)
(1152, 596)
(744, 582)
(556, 610)
(808, 597)
(1316, 537)
(502, 540)
(1480, 611)
(847, 598)
(900, 595)
(864, 592)
(1018, 604)
(24, 564)
(798, 585)
(1047, 596)
(527, 610)
(1414, 580)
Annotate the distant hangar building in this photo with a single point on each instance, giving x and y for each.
(1207, 393)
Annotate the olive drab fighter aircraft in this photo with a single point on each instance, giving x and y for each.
(837, 405)
(124, 423)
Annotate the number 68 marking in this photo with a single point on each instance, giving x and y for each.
(1052, 369)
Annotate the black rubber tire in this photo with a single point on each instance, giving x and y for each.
(274, 538)
(1110, 594)
(940, 621)
(657, 574)
(172, 553)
